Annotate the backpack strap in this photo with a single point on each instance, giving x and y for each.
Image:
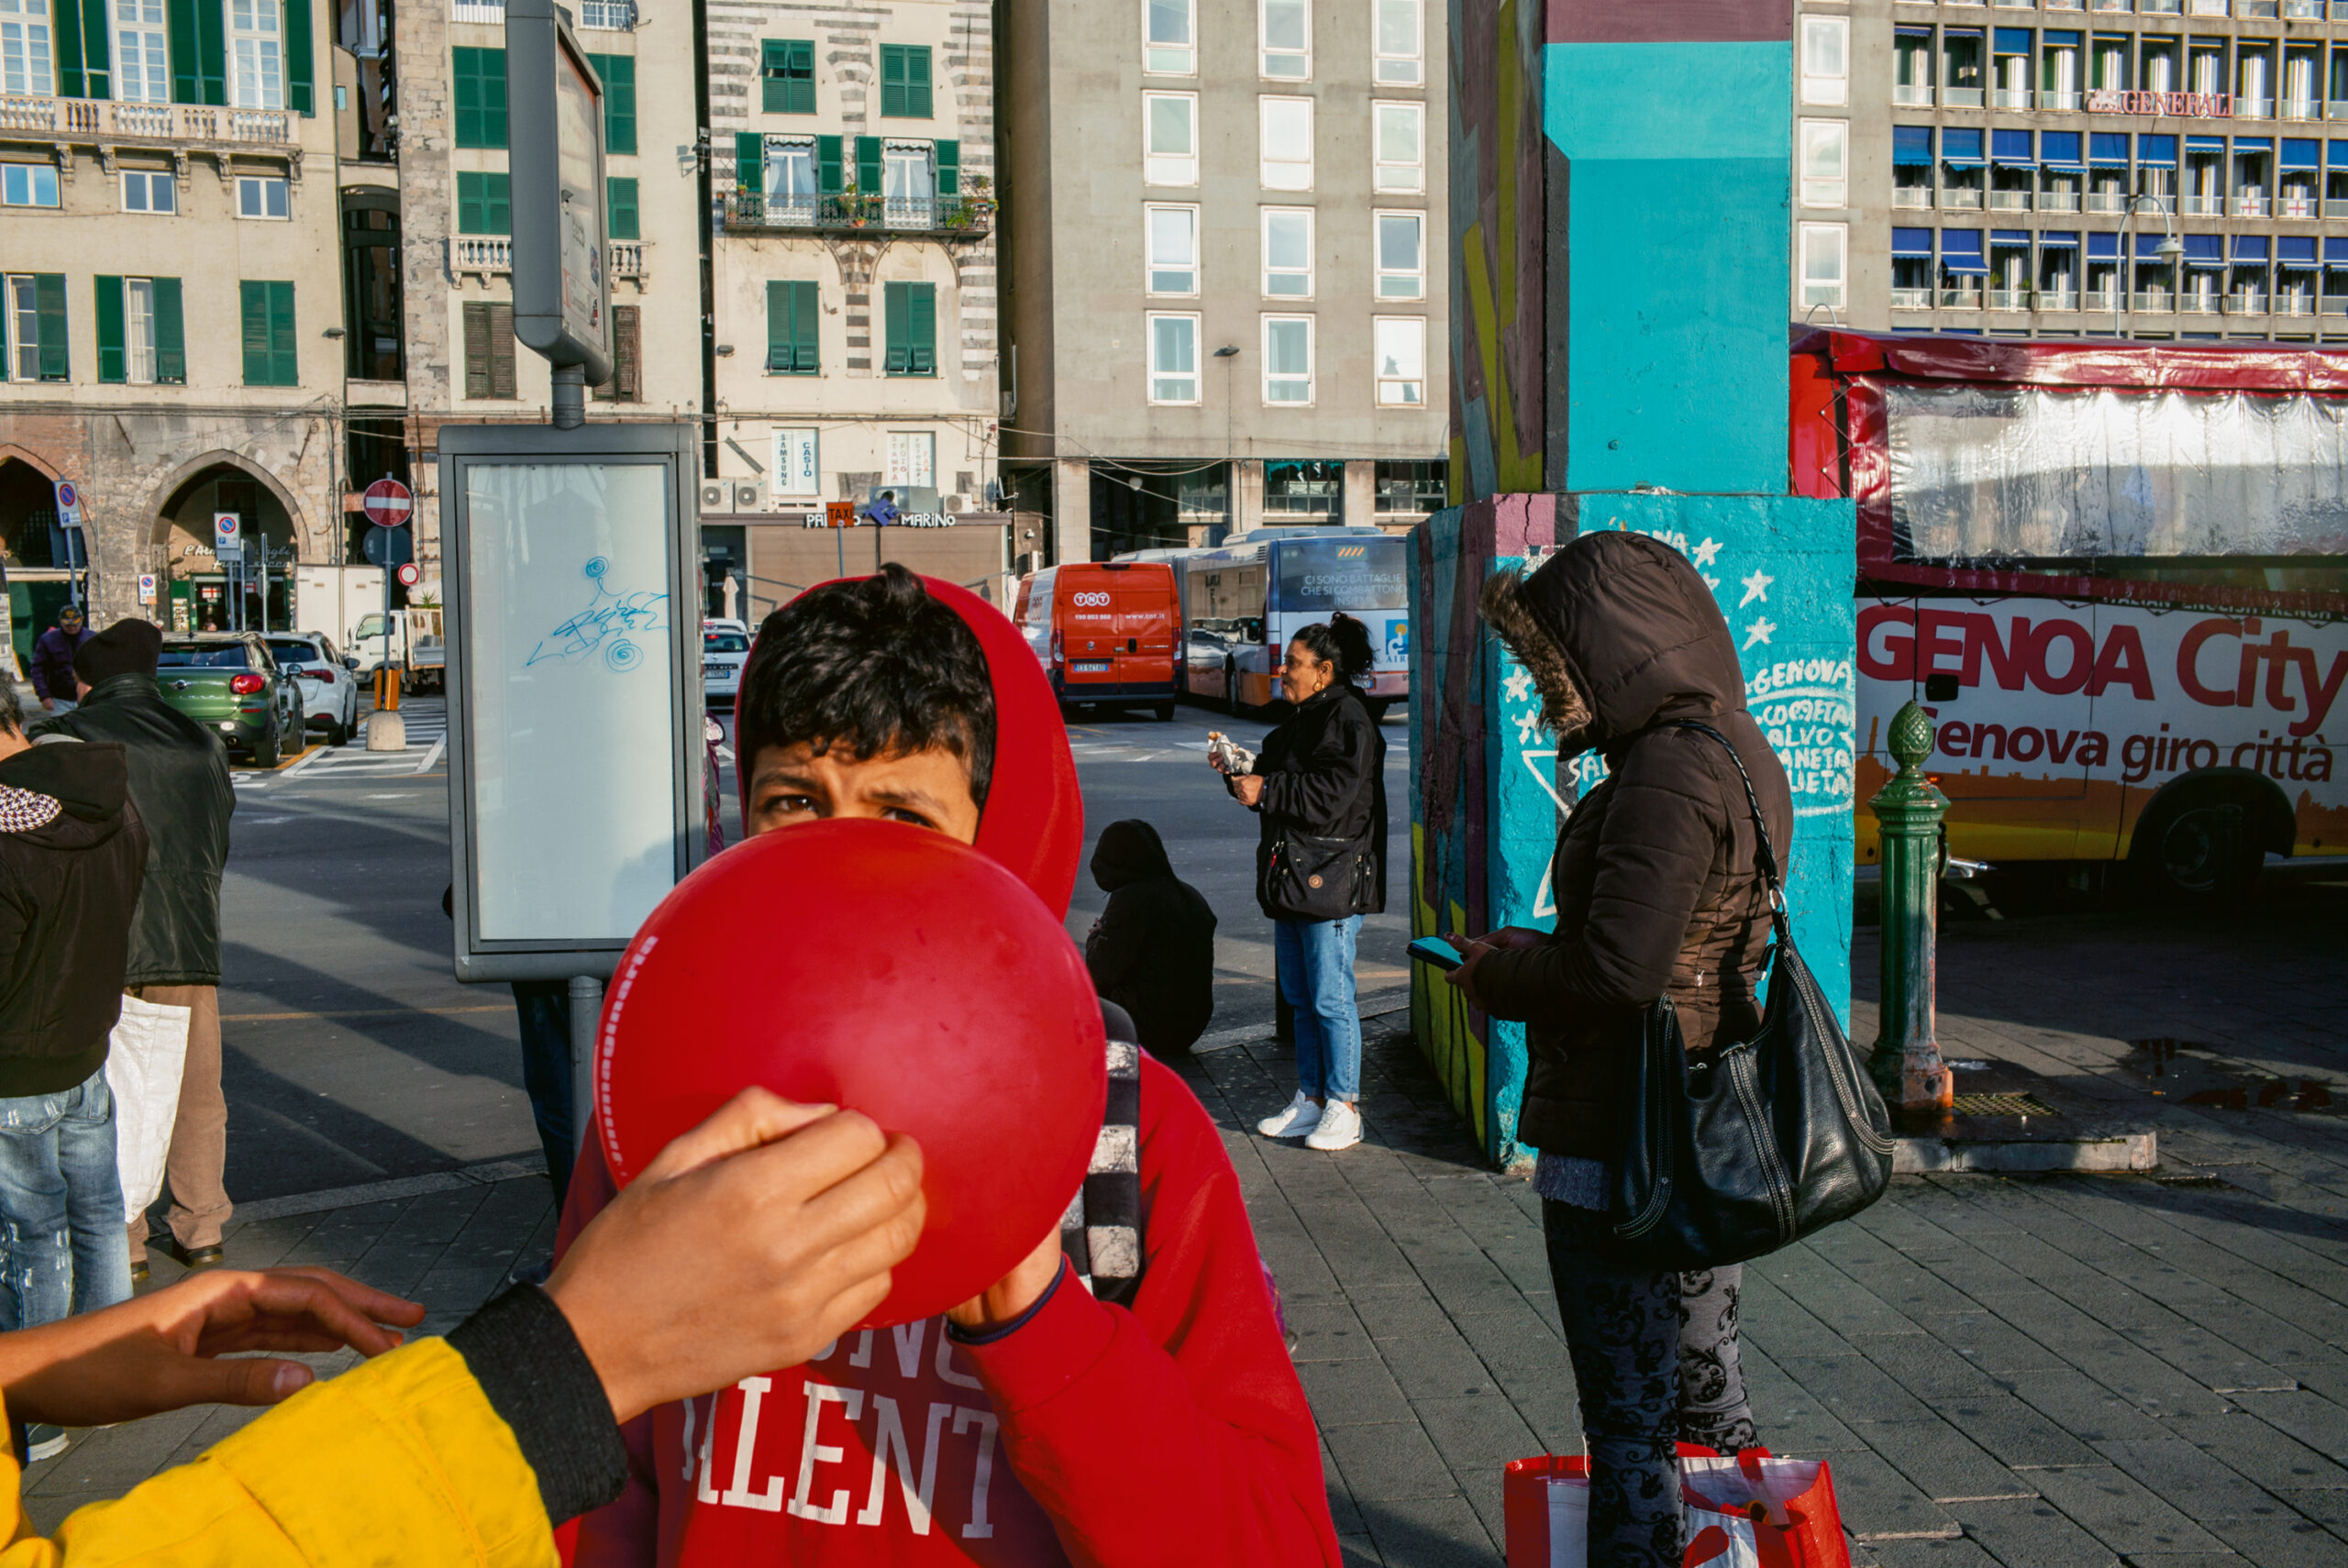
(1101, 1232)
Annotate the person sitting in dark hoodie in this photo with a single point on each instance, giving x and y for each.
(1152, 951)
(71, 853)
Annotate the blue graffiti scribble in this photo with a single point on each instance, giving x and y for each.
(604, 626)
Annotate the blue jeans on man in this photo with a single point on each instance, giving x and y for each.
(1315, 959)
(64, 1246)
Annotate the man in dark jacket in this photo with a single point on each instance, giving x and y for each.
(1658, 892)
(71, 854)
(53, 653)
(1152, 951)
(179, 782)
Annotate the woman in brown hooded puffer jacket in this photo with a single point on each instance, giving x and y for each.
(1657, 892)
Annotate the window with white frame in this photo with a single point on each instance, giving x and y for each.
(256, 54)
(26, 58)
(1401, 345)
(1288, 359)
(912, 459)
(261, 196)
(1173, 359)
(150, 190)
(1171, 237)
(1287, 253)
(797, 461)
(138, 330)
(1826, 266)
(1397, 38)
(1170, 131)
(1825, 60)
(1285, 127)
(1826, 163)
(1284, 32)
(1399, 130)
(1402, 256)
(1169, 37)
(23, 292)
(29, 184)
(142, 71)
(790, 175)
(908, 179)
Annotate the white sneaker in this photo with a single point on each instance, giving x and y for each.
(1301, 1117)
(1340, 1128)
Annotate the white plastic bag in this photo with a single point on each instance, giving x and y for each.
(145, 1057)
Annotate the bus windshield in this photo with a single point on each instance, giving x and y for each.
(1316, 574)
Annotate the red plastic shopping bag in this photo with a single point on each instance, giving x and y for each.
(1747, 1510)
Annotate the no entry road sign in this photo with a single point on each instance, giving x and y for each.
(388, 504)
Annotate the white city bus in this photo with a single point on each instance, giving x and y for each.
(1244, 599)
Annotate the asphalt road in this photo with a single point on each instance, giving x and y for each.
(353, 1056)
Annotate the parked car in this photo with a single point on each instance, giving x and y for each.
(324, 680)
(725, 648)
(228, 683)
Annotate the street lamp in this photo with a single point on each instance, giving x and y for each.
(2171, 249)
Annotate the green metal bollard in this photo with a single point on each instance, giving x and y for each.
(1906, 1064)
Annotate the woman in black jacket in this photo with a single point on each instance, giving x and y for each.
(1320, 786)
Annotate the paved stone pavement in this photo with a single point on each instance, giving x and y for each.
(2033, 1371)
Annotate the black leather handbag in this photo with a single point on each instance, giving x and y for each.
(1733, 1151)
(1315, 879)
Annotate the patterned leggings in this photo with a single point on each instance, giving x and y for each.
(1655, 1364)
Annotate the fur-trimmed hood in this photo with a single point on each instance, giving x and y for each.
(1619, 633)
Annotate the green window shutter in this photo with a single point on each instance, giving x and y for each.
(917, 83)
(476, 350)
(171, 335)
(787, 76)
(618, 71)
(114, 363)
(498, 191)
(828, 165)
(749, 161)
(97, 49)
(894, 316)
(949, 168)
(802, 64)
(479, 78)
(485, 204)
(893, 80)
(82, 39)
(180, 24)
(471, 217)
(921, 326)
(49, 302)
(285, 368)
(806, 313)
(619, 205)
(301, 95)
(780, 323)
(65, 29)
(268, 335)
(868, 165)
(211, 50)
(773, 86)
(252, 303)
(792, 342)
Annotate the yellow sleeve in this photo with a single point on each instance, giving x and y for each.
(399, 1461)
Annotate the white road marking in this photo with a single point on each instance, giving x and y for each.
(432, 757)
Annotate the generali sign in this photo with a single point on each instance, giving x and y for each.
(2180, 105)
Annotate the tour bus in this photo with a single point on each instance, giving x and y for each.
(2116, 578)
(1243, 599)
(1108, 633)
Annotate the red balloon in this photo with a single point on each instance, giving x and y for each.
(885, 968)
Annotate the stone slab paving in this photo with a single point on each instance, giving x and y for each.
(2033, 1371)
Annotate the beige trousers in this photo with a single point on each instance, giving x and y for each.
(193, 1173)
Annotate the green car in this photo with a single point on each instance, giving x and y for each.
(227, 683)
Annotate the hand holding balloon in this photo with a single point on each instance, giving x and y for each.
(1015, 1292)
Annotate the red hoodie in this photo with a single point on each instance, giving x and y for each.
(1175, 1432)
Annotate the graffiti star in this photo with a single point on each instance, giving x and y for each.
(1755, 587)
(1705, 552)
(1527, 726)
(1759, 631)
(1519, 685)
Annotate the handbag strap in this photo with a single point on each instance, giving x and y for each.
(1767, 856)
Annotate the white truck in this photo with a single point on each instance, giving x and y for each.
(414, 646)
(333, 599)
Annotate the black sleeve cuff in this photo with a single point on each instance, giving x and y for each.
(529, 1365)
(1004, 1330)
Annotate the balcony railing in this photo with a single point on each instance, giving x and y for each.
(1961, 298)
(627, 258)
(1921, 196)
(144, 122)
(1911, 299)
(489, 13)
(487, 255)
(2190, 303)
(2058, 201)
(1967, 196)
(2335, 305)
(1961, 98)
(2255, 10)
(2009, 299)
(953, 215)
(2294, 305)
(2154, 301)
(2202, 206)
(2107, 201)
(2303, 10)
(2247, 302)
(2253, 108)
(2303, 109)
(2251, 207)
(2068, 102)
(2333, 207)
(2296, 206)
(2099, 300)
(1911, 96)
(2010, 200)
(2059, 299)
(2009, 97)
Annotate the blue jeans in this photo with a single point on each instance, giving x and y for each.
(1315, 961)
(542, 1010)
(65, 1245)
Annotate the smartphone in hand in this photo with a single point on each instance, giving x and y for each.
(1435, 951)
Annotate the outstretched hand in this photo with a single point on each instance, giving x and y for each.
(162, 1352)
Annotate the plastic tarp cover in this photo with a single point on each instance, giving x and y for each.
(1985, 474)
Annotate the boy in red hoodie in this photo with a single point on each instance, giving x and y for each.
(1035, 1425)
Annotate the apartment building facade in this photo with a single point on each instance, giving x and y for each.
(853, 284)
(171, 302)
(1221, 221)
(2155, 169)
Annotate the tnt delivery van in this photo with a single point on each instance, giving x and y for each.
(1108, 633)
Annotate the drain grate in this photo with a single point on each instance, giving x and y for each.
(2001, 1105)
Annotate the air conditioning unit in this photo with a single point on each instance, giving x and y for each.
(957, 502)
(747, 497)
(713, 498)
